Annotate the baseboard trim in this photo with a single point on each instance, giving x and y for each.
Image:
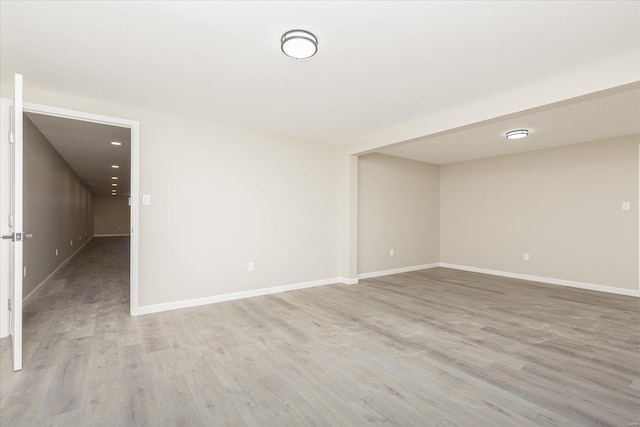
(111, 235)
(156, 308)
(26, 299)
(552, 281)
(397, 270)
(346, 281)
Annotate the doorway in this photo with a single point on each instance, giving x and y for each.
(132, 129)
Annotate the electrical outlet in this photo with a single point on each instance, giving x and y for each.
(71, 242)
(24, 271)
(56, 252)
(250, 266)
(526, 256)
(626, 206)
(392, 252)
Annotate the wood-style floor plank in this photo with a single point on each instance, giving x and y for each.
(435, 347)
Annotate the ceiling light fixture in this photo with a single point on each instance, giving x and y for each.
(116, 143)
(114, 185)
(114, 177)
(299, 44)
(115, 166)
(518, 133)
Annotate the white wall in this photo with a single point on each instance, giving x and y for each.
(399, 209)
(223, 197)
(112, 215)
(563, 206)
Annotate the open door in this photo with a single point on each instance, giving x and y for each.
(15, 223)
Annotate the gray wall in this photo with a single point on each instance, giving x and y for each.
(58, 208)
(112, 215)
(399, 209)
(563, 206)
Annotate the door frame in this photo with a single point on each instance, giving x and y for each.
(134, 127)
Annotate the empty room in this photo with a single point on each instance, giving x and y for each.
(320, 213)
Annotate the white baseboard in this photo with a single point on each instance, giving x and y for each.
(346, 281)
(26, 299)
(156, 308)
(111, 235)
(397, 270)
(561, 282)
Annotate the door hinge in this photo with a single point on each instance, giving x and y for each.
(9, 304)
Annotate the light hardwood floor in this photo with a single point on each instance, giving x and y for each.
(433, 347)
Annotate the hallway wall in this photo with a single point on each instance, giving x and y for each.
(112, 215)
(58, 209)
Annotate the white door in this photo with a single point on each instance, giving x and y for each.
(15, 222)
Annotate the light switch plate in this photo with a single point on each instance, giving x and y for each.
(146, 199)
(626, 206)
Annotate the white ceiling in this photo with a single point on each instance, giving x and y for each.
(87, 148)
(380, 64)
(597, 117)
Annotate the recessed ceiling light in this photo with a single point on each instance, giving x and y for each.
(517, 134)
(114, 185)
(114, 177)
(115, 166)
(299, 44)
(116, 143)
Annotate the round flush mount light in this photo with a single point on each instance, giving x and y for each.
(517, 134)
(299, 44)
